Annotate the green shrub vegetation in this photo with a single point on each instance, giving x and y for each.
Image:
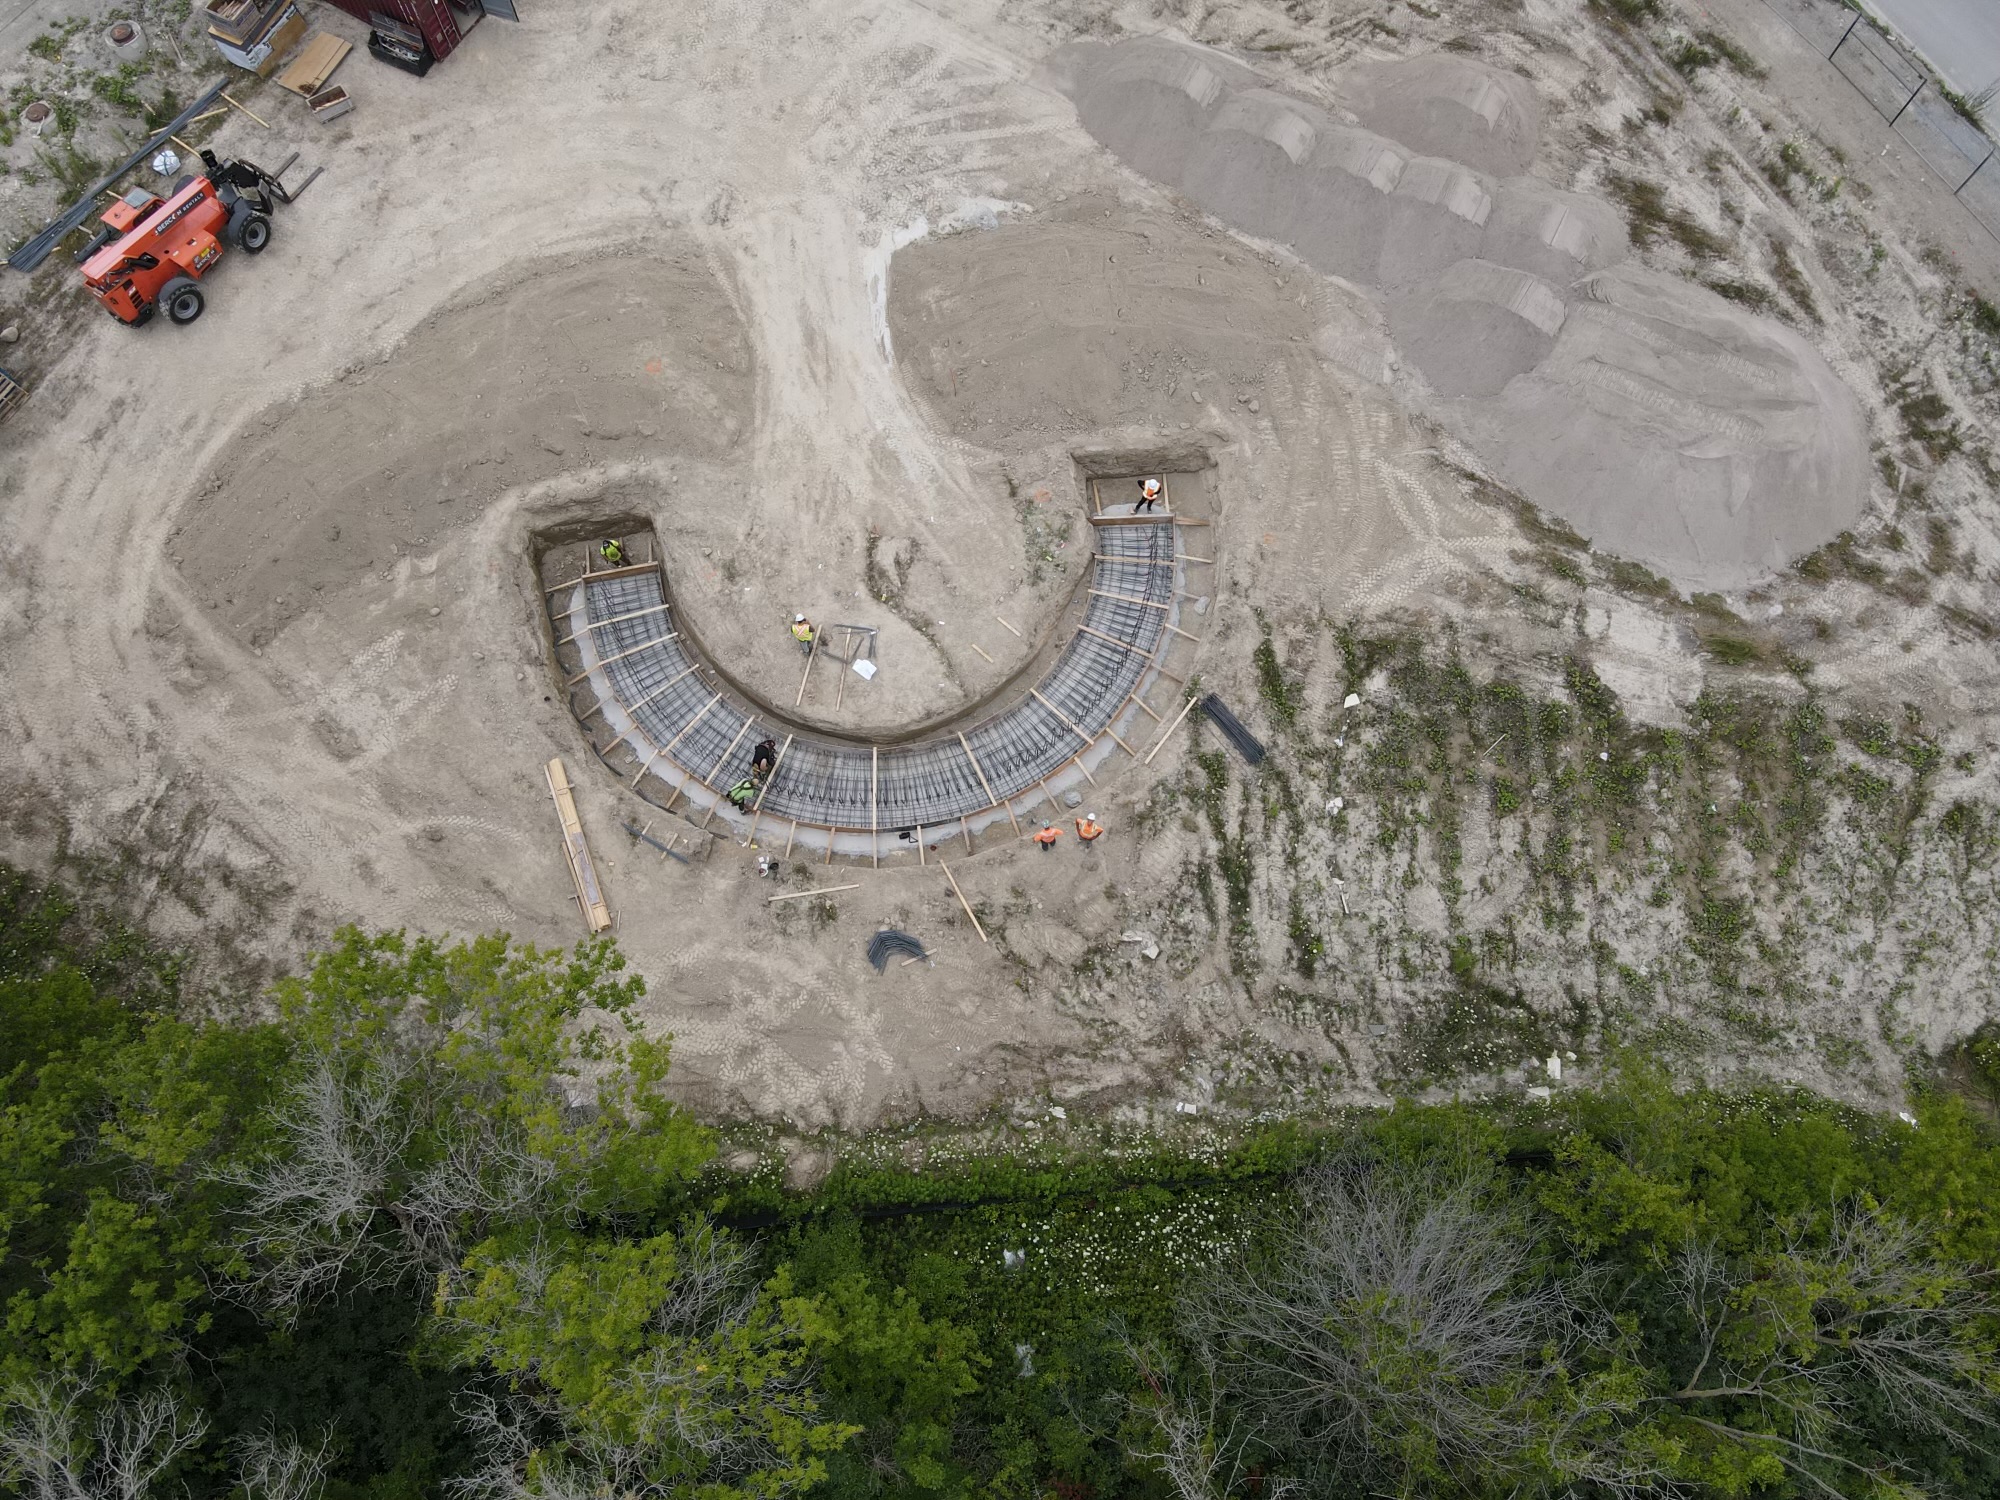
(421, 1219)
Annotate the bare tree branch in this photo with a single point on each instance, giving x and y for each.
(45, 1452)
(1397, 1322)
(272, 1465)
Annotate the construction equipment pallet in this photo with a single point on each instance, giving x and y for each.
(12, 392)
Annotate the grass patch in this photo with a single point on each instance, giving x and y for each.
(1280, 694)
(1634, 578)
(1648, 216)
(1842, 558)
(1733, 650)
(1792, 280)
(1745, 293)
(1733, 54)
(1928, 421)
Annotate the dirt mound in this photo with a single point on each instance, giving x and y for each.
(1449, 106)
(1666, 423)
(1671, 425)
(1071, 323)
(1353, 204)
(617, 358)
(1477, 326)
(1555, 235)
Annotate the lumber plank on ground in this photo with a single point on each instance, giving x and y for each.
(576, 850)
(308, 72)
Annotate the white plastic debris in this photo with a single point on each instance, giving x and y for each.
(1334, 805)
(1604, 755)
(1024, 1359)
(865, 669)
(1013, 1260)
(1541, 1093)
(1058, 1111)
(1182, 1107)
(1554, 1066)
(1352, 700)
(1907, 1118)
(166, 161)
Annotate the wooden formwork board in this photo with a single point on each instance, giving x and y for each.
(576, 850)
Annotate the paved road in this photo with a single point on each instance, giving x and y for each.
(1961, 38)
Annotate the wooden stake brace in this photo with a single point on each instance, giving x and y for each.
(1130, 599)
(812, 655)
(1186, 708)
(757, 811)
(962, 901)
(1121, 645)
(978, 771)
(626, 571)
(607, 661)
(661, 689)
(1068, 722)
(667, 748)
(825, 890)
(614, 620)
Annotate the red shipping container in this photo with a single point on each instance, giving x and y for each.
(434, 18)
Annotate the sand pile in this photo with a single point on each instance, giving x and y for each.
(1653, 416)
(1477, 326)
(1449, 106)
(1671, 425)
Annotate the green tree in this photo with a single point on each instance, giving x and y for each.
(443, 1094)
(898, 1376)
(644, 1368)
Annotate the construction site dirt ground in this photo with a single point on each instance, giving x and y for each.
(828, 296)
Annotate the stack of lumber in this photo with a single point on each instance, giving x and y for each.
(255, 34)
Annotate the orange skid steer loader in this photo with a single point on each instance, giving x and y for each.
(153, 251)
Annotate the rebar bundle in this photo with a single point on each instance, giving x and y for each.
(887, 943)
(1247, 744)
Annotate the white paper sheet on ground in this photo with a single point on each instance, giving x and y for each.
(865, 669)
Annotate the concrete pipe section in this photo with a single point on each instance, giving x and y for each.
(666, 720)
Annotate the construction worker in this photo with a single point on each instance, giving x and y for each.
(742, 793)
(802, 632)
(1048, 836)
(1149, 495)
(612, 551)
(1088, 829)
(763, 758)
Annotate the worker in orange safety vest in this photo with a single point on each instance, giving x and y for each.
(1048, 836)
(1088, 829)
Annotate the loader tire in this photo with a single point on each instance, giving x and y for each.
(255, 233)
(182, 298)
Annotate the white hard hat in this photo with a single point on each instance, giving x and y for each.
(798, 619)
(1090, 817)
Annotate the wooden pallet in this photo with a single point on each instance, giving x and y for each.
(12, 392)
(576, 849)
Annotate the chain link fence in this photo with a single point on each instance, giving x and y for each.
(1904, 93)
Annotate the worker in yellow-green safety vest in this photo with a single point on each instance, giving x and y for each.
(802, 632)
(743, 793)
(612, 551)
